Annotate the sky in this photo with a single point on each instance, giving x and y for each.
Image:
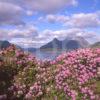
(33, 23)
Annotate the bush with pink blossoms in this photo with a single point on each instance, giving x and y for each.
(72, 76)
(77, 75)
(10, 67)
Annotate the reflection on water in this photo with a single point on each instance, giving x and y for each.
(47, 55)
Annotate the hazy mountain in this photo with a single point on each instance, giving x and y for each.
(82, 41)
(73, 44)
(4, 44)
(95, 45)
(55, 43)
(67, 44)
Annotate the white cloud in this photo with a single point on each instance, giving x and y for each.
(81, 20)
(19, 32)
(29, 12)
(62, 34)
(48, 5)
(55, 18)
(10, 13)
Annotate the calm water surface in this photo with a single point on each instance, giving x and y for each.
(47, 55)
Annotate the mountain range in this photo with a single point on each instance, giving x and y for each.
(66, 44)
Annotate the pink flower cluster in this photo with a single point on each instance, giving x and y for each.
(77, 68)
(34, 91)
(73, 75)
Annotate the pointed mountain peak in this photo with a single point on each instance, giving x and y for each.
(55, 39)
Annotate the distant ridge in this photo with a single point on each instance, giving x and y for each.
(4, 44)
(67, 44)
(55, 43)
(95, 45)
(72, 44)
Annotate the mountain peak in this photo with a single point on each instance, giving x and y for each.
(55, 39)
(4, 44)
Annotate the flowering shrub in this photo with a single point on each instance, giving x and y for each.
(77, 74)
(72, 76)
(7, 71)
(12, 62)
